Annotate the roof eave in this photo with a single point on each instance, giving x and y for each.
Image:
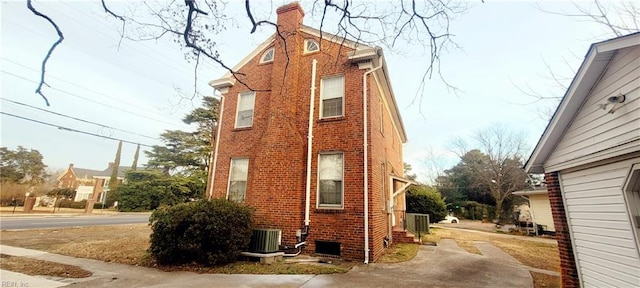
(586, 77)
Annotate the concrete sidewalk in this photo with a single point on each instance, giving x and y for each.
(442, 266)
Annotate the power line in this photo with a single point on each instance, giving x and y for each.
(79, 86)
(73, 130)
(90, 100)
(78, 119)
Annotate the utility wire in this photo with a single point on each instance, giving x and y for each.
(76, 85)
(78, 119)
(73, 130)
(91, 100)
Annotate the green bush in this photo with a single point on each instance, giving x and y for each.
(148, 190)
(426, 200)
(205, 232)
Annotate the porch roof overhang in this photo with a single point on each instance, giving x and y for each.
(406, 184)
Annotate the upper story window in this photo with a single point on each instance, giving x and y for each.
(330, 180)
(311, 45)
(238, 173)
(267, 56)
(244, 116)
(332, 97)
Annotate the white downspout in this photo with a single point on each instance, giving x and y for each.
(215, 152)
(310, 143)
(366, 162)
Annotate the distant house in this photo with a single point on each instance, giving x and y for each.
(539, 207)
(311, 137)
(590, 154)
(86, 182)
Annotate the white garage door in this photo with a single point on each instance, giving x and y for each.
(606, 246)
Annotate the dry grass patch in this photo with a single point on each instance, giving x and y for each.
(125, 244)
(544, 280)
(245, 267)
(399, 252)
(30, 266)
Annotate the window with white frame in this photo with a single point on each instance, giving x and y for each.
(246, 101)
(632, 191)
(238, 179)
(332, 97)
(311, 45)
(267, 56)
(330, 180)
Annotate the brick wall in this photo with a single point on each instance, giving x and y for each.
(276, 143)
(568, 268)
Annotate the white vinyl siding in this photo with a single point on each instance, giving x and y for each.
(330, 180)
(244, 115)
(604, 245)
(541, 209)
(595, 132)
(332, 97)
(238, 174)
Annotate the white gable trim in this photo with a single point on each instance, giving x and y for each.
(592, 68)
(226, 77)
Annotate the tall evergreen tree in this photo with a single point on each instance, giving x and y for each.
(134, 166)
(113, 181)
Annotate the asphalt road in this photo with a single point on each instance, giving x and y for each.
(35, 222)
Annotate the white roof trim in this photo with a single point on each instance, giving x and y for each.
(246, 59)
(373, 55)
(531, 192)
(586, 77)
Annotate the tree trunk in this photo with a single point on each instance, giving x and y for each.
(499, 208)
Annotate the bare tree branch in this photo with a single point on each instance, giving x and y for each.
(107, 10)
(53, 47)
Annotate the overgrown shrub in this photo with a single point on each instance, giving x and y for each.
(426, 200)
(205, 232)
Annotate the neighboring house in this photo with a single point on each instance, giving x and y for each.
(314, 143)
(590, 154)
(89, 182)
(539, 207)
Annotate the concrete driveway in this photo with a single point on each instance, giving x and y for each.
(446, 265)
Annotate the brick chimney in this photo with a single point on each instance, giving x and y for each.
(71, 166)
(290, 16)
(111, 165)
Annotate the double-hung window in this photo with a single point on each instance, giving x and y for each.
(332, 97)
(246, 101)
(238, 179)
(330, 183)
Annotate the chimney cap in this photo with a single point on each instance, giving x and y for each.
(289, 7)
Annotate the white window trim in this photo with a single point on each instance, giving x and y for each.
(321, 94)
(229, 178)
(270, 50)
(329, 206)
(630, 203)
(235, 125)
(306, 42)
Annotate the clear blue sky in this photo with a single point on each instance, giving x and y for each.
(503, 44)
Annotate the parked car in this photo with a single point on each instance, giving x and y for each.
(450, 219)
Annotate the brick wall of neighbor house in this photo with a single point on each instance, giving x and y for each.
(385, 158)
(276, 143)
(568, 271)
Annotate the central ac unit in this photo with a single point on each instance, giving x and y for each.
(265, 240)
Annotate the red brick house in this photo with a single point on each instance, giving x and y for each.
(311, 136)
(87, 182)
